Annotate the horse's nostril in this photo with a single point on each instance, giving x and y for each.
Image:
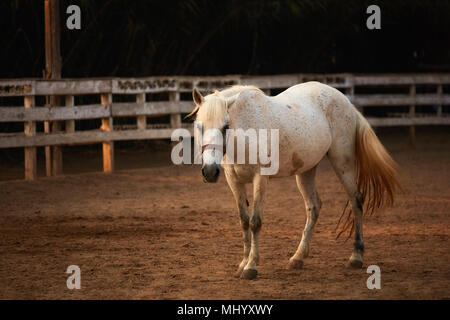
(210, 173)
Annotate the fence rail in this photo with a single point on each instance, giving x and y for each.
(353, 85)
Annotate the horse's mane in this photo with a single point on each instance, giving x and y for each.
(237, 89)
(213, 111)
(214, 108)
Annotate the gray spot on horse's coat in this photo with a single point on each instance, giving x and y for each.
(288, 106)
(359, 205)
(314, 212)
(359, 245)
(255, 223)
(245, 221)
(297, 162)
(359, 201)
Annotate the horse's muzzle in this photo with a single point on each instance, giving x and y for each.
(210, 172)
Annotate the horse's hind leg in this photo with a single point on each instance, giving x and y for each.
(240, 195)
(307, 187)
(342, 158)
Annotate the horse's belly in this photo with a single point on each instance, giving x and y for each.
(305, 138)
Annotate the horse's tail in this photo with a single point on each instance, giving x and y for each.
(376, 172)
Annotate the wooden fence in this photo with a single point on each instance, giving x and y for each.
(353, 85)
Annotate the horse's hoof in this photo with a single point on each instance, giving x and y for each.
(295, 264)
(355, 263)
(238, 273)
(249, 274)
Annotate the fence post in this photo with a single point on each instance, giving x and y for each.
(142, 119)
(412, 113)
(70, 124)
(30, 152)
(53, 154)
(175, 119)
(48, 149)
(57, 160)
(108, 146)
(350, 93)
(439, 92)
(53, 64)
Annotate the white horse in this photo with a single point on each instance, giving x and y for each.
(314, 120)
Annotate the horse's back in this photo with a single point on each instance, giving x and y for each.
(316, 97)
(304, 130)
(319, 94)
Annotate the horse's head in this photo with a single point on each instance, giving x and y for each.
(212, 118)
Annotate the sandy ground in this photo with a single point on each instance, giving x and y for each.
(161, 233)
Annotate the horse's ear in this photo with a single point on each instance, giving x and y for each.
(198, 100)
(197, 106)
(197, 96)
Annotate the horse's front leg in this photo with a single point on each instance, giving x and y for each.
(240, 195)
(259, 191)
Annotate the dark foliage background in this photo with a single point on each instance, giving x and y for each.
(143, 38)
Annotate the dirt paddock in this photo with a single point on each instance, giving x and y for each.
(161, 233)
